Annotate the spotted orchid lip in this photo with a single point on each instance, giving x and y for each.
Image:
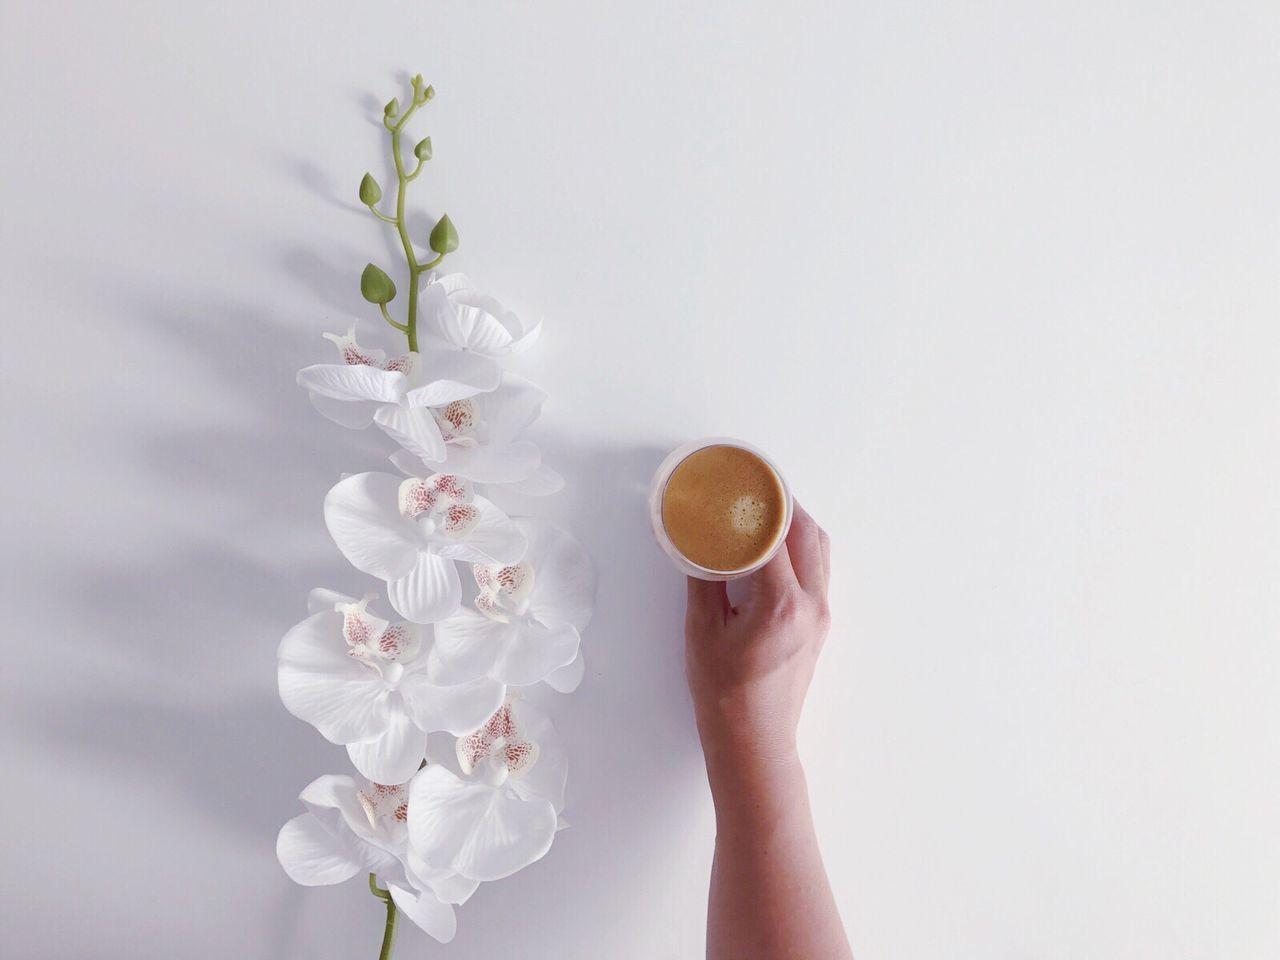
(504, 589)
(377, 643)
(381, 800)
(500, 740)
(433, 495)
(353, 354)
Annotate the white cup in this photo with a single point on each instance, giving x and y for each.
(659, 487)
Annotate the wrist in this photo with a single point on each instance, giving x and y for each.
(753, 786)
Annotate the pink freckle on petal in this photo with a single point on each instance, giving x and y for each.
(352, 356)
(461, 517)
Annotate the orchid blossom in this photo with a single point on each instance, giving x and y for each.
(473, 321)
(409, 532)
(365, 387)
(369, 685)
(350, 829)
(481, 439)
(502, 813)
(528, 616)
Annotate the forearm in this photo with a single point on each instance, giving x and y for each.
(770, 898)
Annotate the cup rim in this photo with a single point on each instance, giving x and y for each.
(657, 490)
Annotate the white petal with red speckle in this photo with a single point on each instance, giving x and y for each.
(363, 518)
(414, 428)
(494, 538)
(321, 684)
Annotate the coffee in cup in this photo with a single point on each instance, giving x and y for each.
(719, 508)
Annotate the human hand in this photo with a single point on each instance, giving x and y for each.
(749, 666)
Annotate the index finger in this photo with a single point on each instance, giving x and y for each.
(777, 576)
(804, 542)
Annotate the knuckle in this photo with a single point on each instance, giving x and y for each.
(823, 615)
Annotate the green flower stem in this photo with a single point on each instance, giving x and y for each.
(387, 316)
(389, 932)
(402, 188)
(396, 122)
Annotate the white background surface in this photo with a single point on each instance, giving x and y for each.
(996, 282)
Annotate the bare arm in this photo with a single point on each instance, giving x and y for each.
(749, 668)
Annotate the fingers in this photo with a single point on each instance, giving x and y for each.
(776, 577)
(708, 603)
(805, 545)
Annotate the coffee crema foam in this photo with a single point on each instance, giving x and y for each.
(723, 508)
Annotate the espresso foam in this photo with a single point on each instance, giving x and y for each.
(723, 508)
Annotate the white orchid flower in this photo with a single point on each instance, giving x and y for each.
(367, 388)
(350, 829)
(473, 321)
(528, 616)
(481, 439)
(410, 533)
(502, 814)
(370, 685)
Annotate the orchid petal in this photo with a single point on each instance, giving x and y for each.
(479, 831)
(541, 483)
(564, 583)
(354, 415)
(546, 779)
(495, 538)
(312, 856)
(448, 886)
(515, 653)
(321, 684)
(333, 800)
(409, 464)
(458, 708)
(430, 590)
(395, 756)
(324, 600)
(528, 338)
(363, 515)
(414, 428)
(515, 404)
(450, 375)
(567, 678)
(486, 463)
(436, 919)
(353, 382)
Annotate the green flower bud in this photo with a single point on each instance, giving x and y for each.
(423, 150)
(370, 192)
(392, 108)
(376, 286)
(428, 93)
(444, 238)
